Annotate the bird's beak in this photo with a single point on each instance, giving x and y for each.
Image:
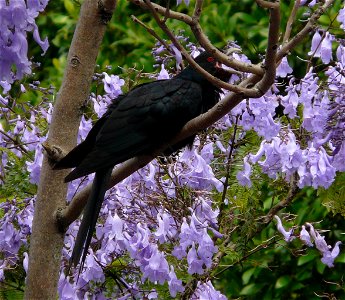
(222, 73)
(218, 65)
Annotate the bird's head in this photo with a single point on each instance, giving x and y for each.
(211, 65)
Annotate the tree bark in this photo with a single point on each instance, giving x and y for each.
(47, 241)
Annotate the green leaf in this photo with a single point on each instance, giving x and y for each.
(306, 258)
(340, 258)
(247, 275)
(251, 289)
(282, 281)
(320, 267)
(70, 7)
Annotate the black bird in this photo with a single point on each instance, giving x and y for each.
(138, 123)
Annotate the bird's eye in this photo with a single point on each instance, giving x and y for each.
(210, 59)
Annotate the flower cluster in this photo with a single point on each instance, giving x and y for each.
(310, 238)
(15, 228)
(207, 291)
(281, 152)
(18, 18)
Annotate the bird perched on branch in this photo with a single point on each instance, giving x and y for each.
(138, 123)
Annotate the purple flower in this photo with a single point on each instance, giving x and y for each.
(247, 120)
(194, 171)
(178, 2)
(206, 249)
(204, 212)
(112, 85)
(22, 88)
(290, 101)
(163, 74)
(34, 167)
(92, 270)
(272, 164)
(139, 243)
(341, 17)
(312, 3)
(6, 87)
(318, 171)
(207, 152)
(175, 285)
(338, 159)
(179, 251)
(165, 228)
(328, 256)
(315, 44)
(284, 69)
(84, 128)
(206, 291)
(178, 55)
(157, 268)
(66, 290)
(322, 47)
(288, 235)
(112, 231)
(148, 176)
(25, 218)
(17, 19)
(305, 237)
(262, 111)
(189, 233)
(2, 269)
(100, 105)
(243, 177)
(26, 262)
(195, 265)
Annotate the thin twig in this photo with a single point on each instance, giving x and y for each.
(291, 20)
(228, 169)
(285, 202)
(14, 141)
(152, 32)
(266, 4)
(197, 10)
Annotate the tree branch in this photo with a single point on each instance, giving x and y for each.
(163, 11)
(291, 20)
(271, 51)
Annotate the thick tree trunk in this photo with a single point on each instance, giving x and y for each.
(46, 240)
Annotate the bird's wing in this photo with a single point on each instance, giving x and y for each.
(77, 154)
(145, 118)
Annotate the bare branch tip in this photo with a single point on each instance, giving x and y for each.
(60, 220)
(54, 153)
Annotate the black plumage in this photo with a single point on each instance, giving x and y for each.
(138, 123)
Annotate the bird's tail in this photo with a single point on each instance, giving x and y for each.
(90, 215)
